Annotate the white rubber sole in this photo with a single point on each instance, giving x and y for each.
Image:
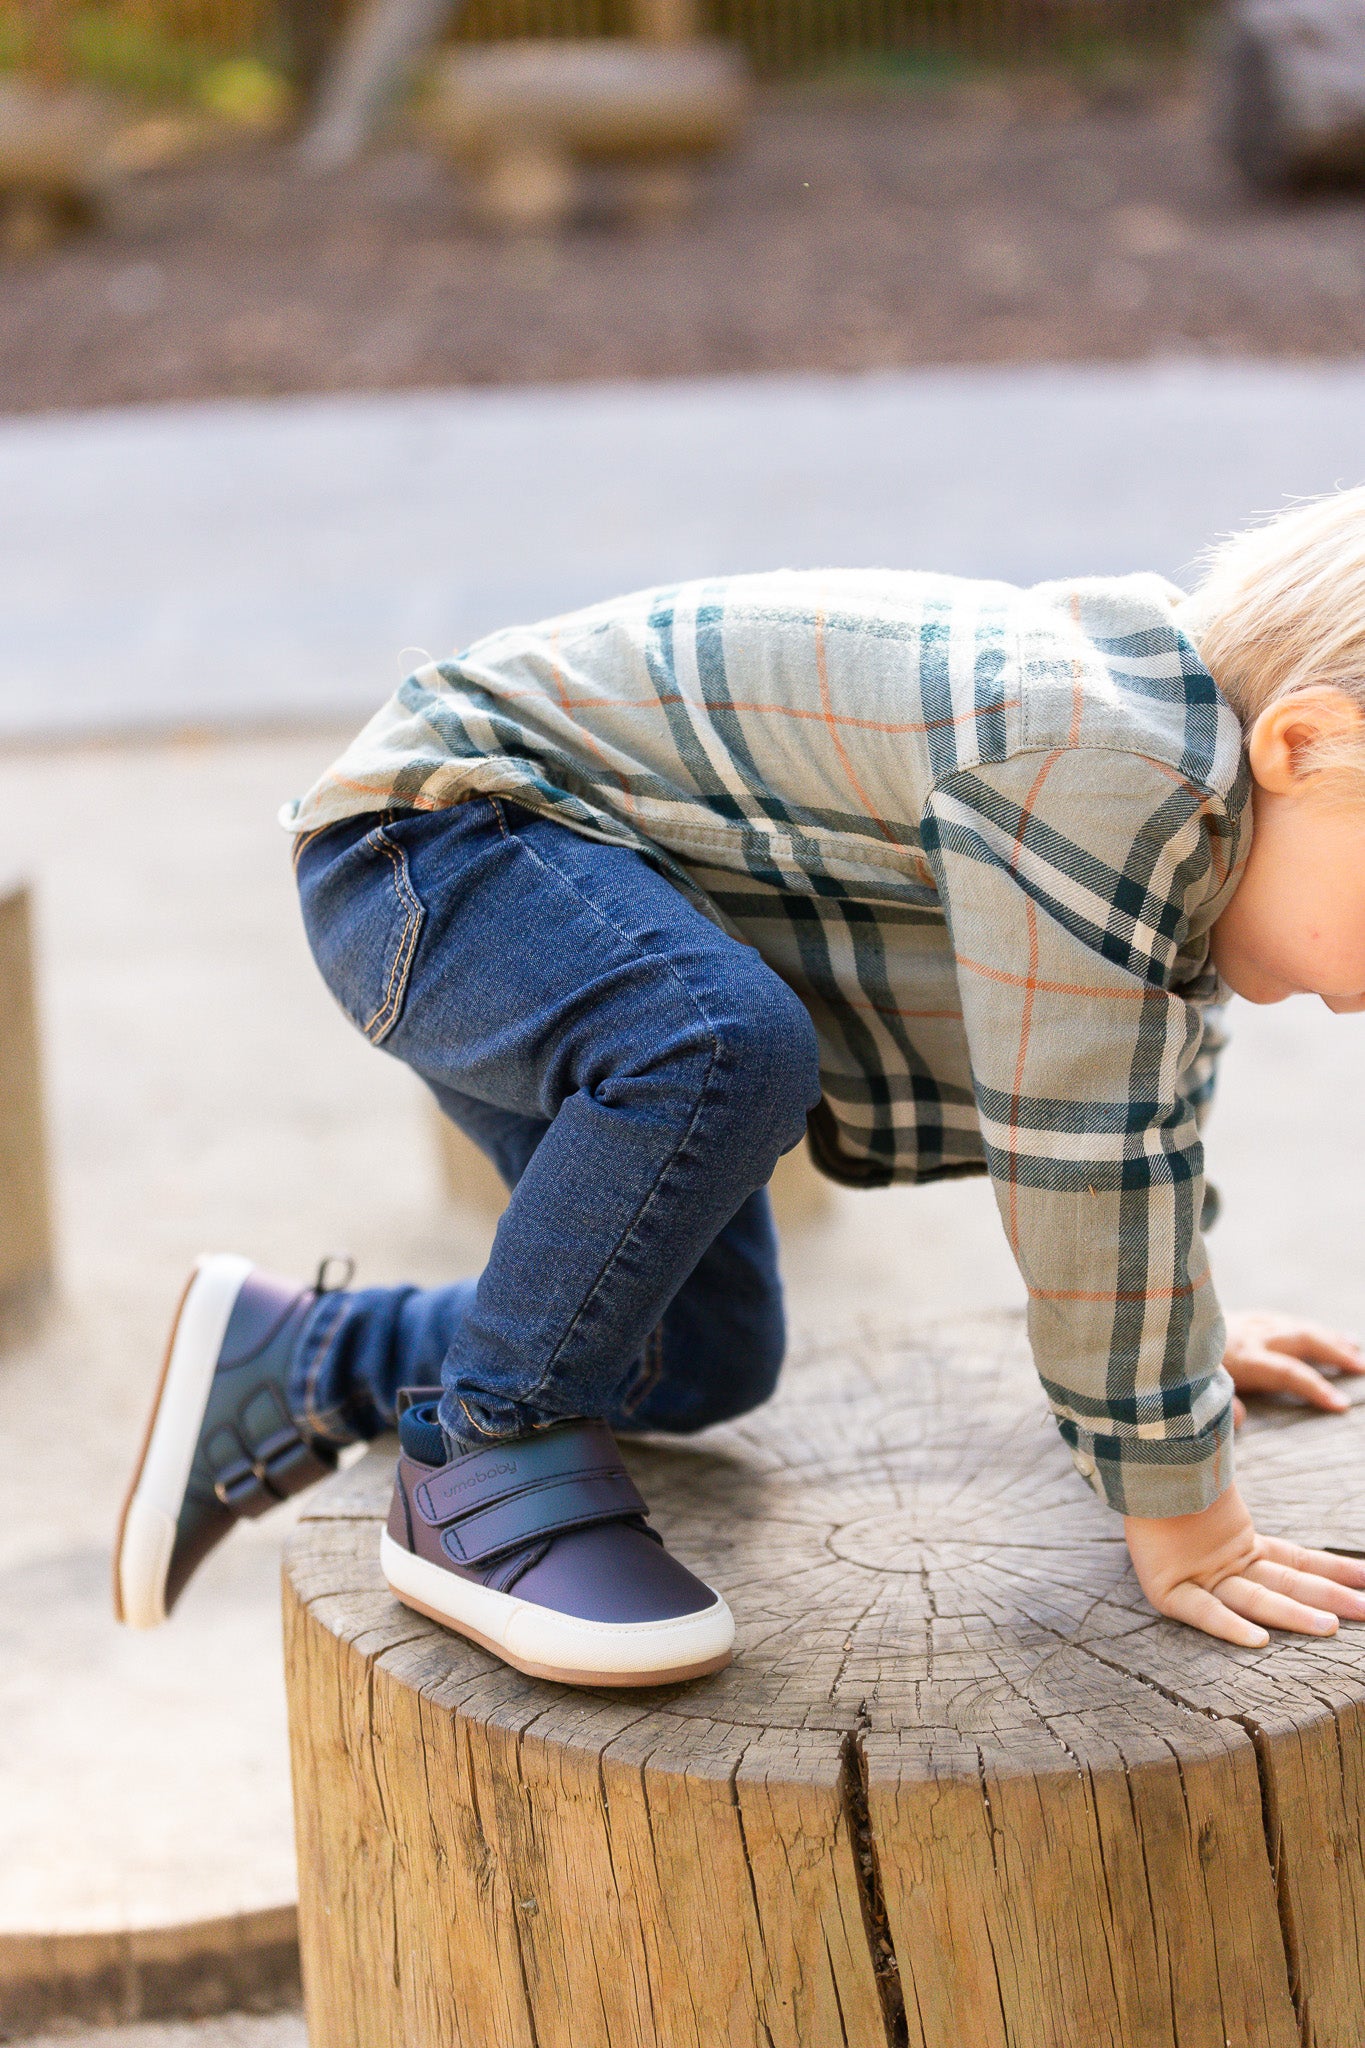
(546, 1644)
(146, 1533)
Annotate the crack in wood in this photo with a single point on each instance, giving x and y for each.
(1274, 1844)
(834, 1987)
(1270, 1826)
(753, 1887)
(991, 1829)
(513, 1918)
(931, 1603)
(1333, 1711)
(394, 1850)
(999, 1987)
(854, 1792)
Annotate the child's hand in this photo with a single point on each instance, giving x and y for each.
(1268, 1354)
(1213, 1571)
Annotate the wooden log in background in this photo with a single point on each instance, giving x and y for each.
(25, 1215)
(114, 1977)
(960, 1789)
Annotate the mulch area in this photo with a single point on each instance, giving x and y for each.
(854, 230)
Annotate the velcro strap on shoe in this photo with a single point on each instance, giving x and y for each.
(287, 1464)
(514, 1493)
(251, 1476)
(239, 1486)
(477, 1480)
(548, 1510)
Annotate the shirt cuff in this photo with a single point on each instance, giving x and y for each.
(1156, 1476)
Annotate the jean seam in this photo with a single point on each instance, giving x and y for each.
(649, 1373)
(386, 1016)
(303, 841)
(490, 1435)
(703, 1088)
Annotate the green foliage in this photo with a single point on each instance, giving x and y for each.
(141, 58)
(246, 92)
(134, 56)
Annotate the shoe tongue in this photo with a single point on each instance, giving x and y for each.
(421, 1435)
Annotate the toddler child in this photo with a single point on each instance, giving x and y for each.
(944, 876)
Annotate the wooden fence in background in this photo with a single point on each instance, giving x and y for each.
(782, 37)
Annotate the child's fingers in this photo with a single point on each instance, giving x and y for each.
(1202, 1610)
(1274, 1372)
(1326, 1564)
(1309, 1587)
(1274, 1610)
(1323, 1346)
(1239, 1412)
(1295, 1377)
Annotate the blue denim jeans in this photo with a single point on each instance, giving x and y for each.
(632, 1072)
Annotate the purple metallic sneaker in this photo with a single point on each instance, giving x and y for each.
(537, 1548)
(220, 1442)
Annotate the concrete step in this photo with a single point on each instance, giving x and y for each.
(234, 2030)
(272, 560)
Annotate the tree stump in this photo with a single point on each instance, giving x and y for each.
(25, 1218)
(960, 1788)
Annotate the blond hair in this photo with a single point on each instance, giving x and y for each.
(1281, 607)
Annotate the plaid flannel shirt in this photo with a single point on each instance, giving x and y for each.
(983, 833)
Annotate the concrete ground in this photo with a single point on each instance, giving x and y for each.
(181, 566)
(281, 2030)
(206, 1094)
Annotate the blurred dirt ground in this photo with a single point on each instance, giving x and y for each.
(979, 223)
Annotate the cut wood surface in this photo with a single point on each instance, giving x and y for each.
(960, 1788)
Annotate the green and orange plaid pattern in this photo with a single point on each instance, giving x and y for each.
(983, 832)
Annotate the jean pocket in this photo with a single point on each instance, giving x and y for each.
(364, 919)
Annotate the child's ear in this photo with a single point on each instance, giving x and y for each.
(1288, 738)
